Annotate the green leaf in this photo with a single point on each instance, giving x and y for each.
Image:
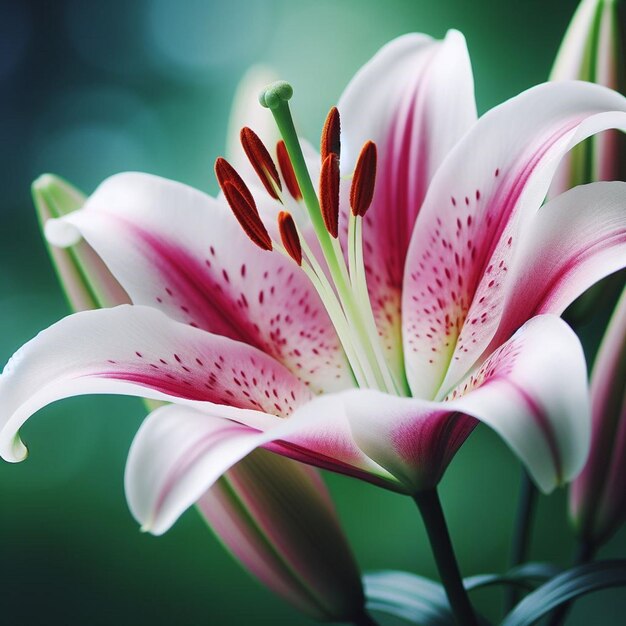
(413, 598)
(520, 576)
(567, 586)
(423, 602)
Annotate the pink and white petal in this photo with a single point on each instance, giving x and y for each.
(139, 351)
(554, 265)
(540, 375)
(181, 251)
(319, 433)
(413, 439)
(414, 99)
(532, 392)
(468, 230)
(177, 454)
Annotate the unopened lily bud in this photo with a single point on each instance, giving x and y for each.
(86, 280)
(598, 496)
(593, 50)
(277, 518)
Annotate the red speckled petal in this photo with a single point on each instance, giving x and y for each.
(414, 99)
(532, 392)
(181, 251)
(555, 265)
(139, 351)
(468, 231)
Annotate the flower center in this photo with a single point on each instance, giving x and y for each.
(341, 285)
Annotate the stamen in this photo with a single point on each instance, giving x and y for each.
(289, 236)
(226, 173)
(362, 189)
(329, 193)
(247, 215)
(261, 161)
(331, 135)
(286, 169)
(344, 301)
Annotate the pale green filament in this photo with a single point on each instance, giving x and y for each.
(351, 311)
(361, 293)
(314, 272)
(352, 344)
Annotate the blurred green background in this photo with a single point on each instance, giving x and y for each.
(90, 88)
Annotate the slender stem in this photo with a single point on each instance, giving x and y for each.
(522, 533)
(430, 507)
(585, 552)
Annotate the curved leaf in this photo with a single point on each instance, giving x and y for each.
(423, 602)
(521, 576)
(567, 586)
(413, 598)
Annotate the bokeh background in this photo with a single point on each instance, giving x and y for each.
(90, 88)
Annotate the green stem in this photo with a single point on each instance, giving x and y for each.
(430, 508)
(522, 533)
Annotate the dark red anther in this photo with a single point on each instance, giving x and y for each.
(362, 188)
(331, 135)
(225, 172)
(261, 161)
(289, 236)
(286, 169)
(247, 215)
(329, 193)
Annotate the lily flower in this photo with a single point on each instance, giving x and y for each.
(597, 496)
(381, 316)
(273, 514)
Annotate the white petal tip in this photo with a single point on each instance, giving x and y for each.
(16, 452)
(61, 233)
(150, 528)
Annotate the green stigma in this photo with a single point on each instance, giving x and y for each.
(272, 96)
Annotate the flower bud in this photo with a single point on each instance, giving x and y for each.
(598, 496)
(593, 50)
(277, 518)
(87, 282)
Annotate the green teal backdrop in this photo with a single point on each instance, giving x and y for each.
(90, 88)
